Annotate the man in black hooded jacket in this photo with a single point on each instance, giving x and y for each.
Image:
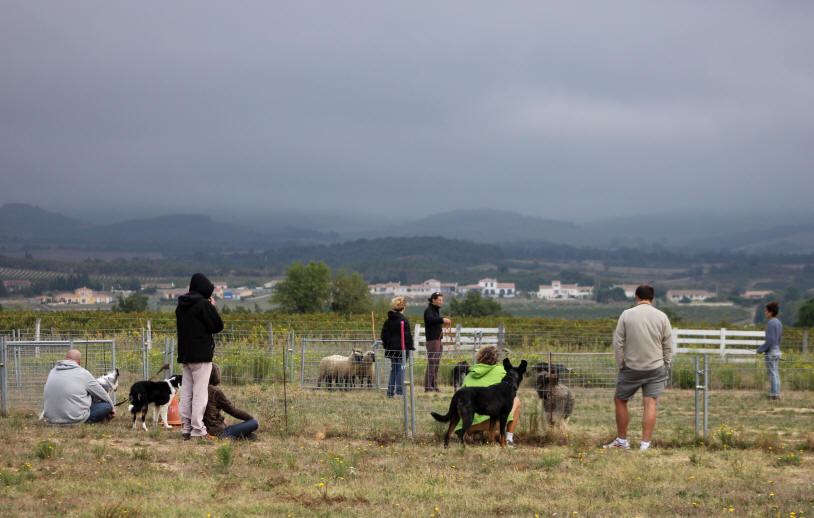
(197, 321)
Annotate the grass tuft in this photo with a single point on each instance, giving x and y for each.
(224, 457)
(116, 511)
(45, 449)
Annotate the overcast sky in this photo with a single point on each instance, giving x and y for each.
(558, 110)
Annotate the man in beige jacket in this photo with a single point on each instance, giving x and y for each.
(643, 346)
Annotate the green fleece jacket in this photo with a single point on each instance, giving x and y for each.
(483, 375)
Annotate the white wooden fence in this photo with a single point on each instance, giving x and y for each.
(463, 338)
(724, 340)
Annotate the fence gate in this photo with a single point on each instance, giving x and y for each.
(24, 367)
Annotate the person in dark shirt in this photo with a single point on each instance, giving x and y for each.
(771, 348)
(197, 321)
(213, 419)
(433, 327)
(391, 340)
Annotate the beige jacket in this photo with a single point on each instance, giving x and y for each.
(643, 339)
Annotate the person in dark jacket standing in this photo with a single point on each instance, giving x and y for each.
(197, 321)
(433, 327)
(391, 340)
(213, 419)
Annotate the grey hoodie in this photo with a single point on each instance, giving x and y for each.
(68, 392)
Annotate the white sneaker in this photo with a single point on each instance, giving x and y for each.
(617, 445)
(644, 448)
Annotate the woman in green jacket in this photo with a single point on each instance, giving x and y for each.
(487, 371)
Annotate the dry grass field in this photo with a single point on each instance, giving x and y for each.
(343, 454)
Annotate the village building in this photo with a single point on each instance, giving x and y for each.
(558, 290)
(689, 295)
(83, 295)
(756, 294)
(629, 289)
(12, 286)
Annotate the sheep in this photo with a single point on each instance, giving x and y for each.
(366, 369)
(339, 370)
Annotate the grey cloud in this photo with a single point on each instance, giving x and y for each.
(561, 110)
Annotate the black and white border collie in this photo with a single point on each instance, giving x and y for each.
(159, 393)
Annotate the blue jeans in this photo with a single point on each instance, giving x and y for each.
(240, 430)
(773, 366)
(394, 385)
(98, 411)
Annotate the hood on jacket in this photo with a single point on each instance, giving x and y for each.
(394, 315)
(214, 377)
(200, 284)
(480, 370)
(63, 365)
(190, 298)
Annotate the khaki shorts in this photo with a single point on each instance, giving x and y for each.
(652, 382)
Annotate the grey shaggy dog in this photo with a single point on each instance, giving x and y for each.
(558, 400)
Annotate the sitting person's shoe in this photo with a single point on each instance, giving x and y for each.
(186, 436)
(617, 445)
(252, 437)
(207, 438)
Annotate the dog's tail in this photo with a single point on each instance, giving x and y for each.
(446, 418)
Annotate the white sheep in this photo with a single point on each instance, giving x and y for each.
(339, 370)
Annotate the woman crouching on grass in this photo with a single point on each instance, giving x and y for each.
(214, 421)
(487, 371)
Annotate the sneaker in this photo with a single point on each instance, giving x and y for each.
(252, 437)
(206, 439)
(617, 445)
(510, 444)
(186, 436)
(644, 448)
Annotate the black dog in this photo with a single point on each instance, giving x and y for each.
(495, 401)
(159, 393)
(459, 372)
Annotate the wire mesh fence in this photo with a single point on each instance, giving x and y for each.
(285, 378)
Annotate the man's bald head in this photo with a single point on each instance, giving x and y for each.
(74, 355)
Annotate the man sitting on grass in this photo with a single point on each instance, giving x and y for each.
(72, 395)
(487, 371)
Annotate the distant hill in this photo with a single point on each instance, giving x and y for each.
(19, 221)
(486, 226)
(24, 225)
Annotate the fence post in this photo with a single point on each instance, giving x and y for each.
(501, 338)
(375, 349)
(3, 377)
(805, 342)
(697, 395)
(412, 397)
(404, 392)
(706, 395)
(302, 362)
(113, 352)
(271, 339)
(723, 343)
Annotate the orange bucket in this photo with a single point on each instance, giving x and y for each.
(172, 412)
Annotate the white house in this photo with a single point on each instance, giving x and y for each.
(558, 290)
(691, 295)
(629, 289)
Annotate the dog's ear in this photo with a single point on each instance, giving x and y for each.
(507, 364)
(522, 368)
